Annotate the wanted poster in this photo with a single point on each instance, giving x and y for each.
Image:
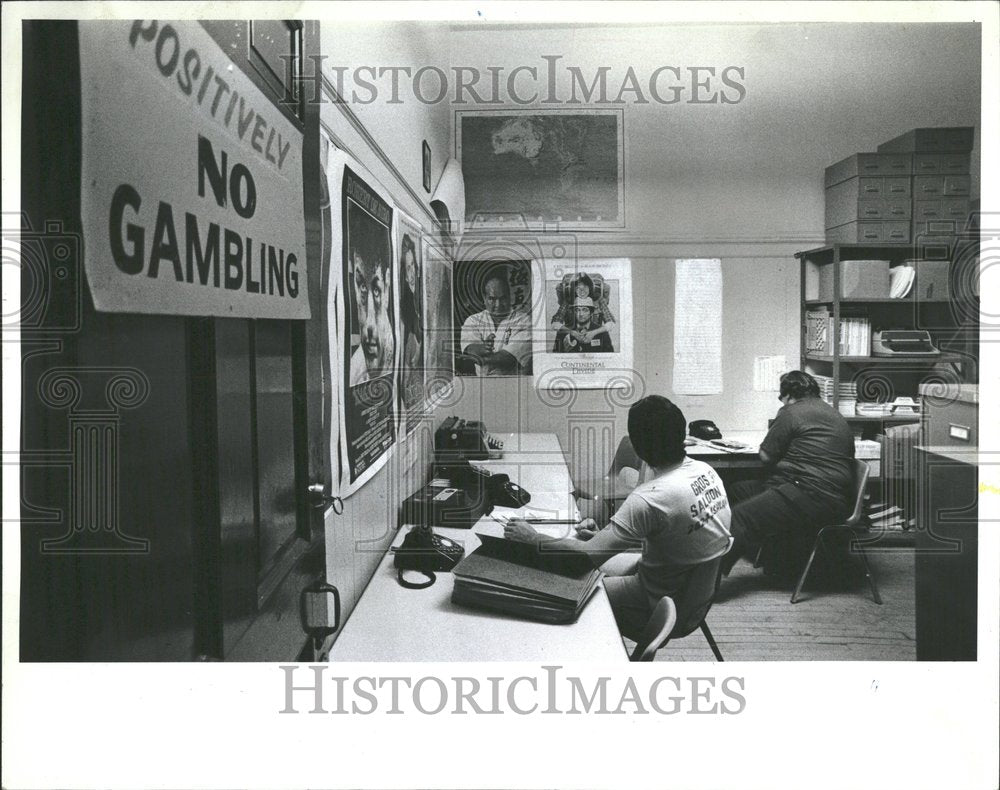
(366, 316)
(583, 324)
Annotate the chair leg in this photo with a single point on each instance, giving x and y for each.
(711, 641)
(805, 571)
(868, 572)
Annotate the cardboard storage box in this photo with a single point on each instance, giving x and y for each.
(931, 280)
(867, 279)
(868, 165)
(886, 232)
(953, 139)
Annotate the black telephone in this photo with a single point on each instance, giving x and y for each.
(505, 493)
(498, 488)
(465, 440)
(704, 429)
(425, 552)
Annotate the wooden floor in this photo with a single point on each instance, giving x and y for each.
(753, 620)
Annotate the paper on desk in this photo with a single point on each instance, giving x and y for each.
(698, 327)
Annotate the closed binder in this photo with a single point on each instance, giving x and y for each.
(524, 580)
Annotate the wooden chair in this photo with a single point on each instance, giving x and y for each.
(674, 618)
(854, 526)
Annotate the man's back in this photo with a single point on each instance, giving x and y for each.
(812, 443)
(682, 517)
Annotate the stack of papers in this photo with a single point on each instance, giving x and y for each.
(522, 580)
(901, 281)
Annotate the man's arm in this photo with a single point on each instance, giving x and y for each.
(602, 546)
(773, 448)
(518, 345)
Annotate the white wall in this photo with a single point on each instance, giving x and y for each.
(741, 182)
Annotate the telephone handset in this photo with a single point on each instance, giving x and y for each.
(425, 552)
(505, 493)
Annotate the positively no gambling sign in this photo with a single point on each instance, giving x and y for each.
(191, 179)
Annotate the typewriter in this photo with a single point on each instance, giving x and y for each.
(902, 342)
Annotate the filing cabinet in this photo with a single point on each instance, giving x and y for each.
(946, 561)
(951, 418)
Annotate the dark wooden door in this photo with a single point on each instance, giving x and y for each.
(165, 459)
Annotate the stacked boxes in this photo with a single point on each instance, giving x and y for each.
(941, 166)
(868, 199)
(916, 184)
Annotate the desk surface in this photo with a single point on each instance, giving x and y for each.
(391, 623)
(724, 458)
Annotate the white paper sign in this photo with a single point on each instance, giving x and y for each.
(698, 327)
(191, 186)
(767, 371)
(582, 324)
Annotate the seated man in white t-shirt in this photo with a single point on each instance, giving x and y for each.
(498, 339)
(680, 518)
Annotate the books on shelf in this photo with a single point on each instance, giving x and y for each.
(854, 334)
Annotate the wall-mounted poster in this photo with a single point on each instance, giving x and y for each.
(548, 166)
(439, 325)
(366, 311)
(493, 318)
(583, 324)
(411, 315)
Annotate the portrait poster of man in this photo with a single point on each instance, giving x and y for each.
(412, 322)
(439, 325)
(366, 318)
(493, 318)
(583, 324)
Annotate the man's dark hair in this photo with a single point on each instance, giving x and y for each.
(657, 429)
(799, 385)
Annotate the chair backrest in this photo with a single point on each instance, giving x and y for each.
(627, 458)
(676, 617)
(625, 455)
(861, 471)
(694, 601)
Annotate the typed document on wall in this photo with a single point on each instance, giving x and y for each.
(698, 327)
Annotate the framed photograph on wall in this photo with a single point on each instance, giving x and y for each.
(426, 158)
(548, 166)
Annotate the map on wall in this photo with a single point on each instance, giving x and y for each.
(540, 167)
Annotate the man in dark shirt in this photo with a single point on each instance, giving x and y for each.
(809, 454)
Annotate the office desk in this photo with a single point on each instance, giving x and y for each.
(391, 623)
(740, 459)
